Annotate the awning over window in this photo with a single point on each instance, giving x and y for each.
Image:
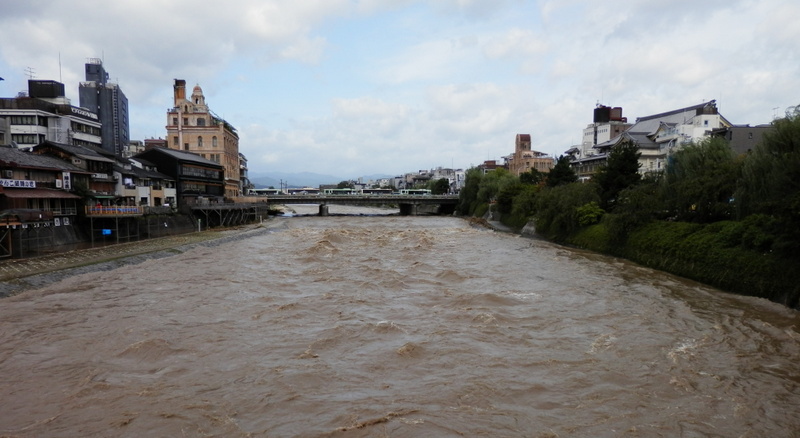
(38, 194)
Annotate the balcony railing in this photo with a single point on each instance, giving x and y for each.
(63, 211)
(114, 210)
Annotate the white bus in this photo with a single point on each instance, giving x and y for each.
(422, 192)
(264, 192)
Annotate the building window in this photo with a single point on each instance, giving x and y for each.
(175, 141)
(186, 146)
(174, 120)
(23, 120)
(201, 122)
(186, 121)
(25, 138)
(214, 141)
(199, 142)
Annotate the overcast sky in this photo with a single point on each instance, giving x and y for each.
(358, 87)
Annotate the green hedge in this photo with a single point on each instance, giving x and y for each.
(712, 254)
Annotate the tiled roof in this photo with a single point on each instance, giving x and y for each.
(17, 158)
(141, 173)
(181, 155)
(84, 152)
(650, 124)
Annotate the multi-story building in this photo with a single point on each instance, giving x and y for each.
(5, 135)
(37, 210)
(132, 148)
(109, 102)
(657, 136)
(97, 179)
(455, 177)
(524, 158)
(139, 183)
(198, 181)
(244, 180)
(608, 123)
(743, 138)
(45, 114)
(151, 143)
(193, 127)
(490, 165)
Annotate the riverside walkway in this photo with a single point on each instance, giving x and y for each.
(17, 275)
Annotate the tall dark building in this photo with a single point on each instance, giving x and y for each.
(109, 102)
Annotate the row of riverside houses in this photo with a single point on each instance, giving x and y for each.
(657, 136)
(62, 166)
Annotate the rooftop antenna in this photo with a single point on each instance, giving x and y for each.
(30, 72)
(59, 68)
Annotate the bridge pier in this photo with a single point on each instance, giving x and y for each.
(323, 209)
(409, 209)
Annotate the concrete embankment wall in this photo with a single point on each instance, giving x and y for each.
(166, 225)
(35, 240)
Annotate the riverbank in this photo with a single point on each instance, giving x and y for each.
(19, 275)
(702, 253)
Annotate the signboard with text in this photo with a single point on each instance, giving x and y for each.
(18, 183)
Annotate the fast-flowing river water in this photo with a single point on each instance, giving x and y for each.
(394, 326)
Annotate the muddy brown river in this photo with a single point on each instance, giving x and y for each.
(361, 326)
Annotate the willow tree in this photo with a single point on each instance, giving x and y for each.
(494, 182)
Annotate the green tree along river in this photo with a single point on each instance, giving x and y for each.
(729, 221)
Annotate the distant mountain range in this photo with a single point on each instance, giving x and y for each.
(303, 179)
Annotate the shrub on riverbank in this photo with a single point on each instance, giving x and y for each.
(709, 253)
